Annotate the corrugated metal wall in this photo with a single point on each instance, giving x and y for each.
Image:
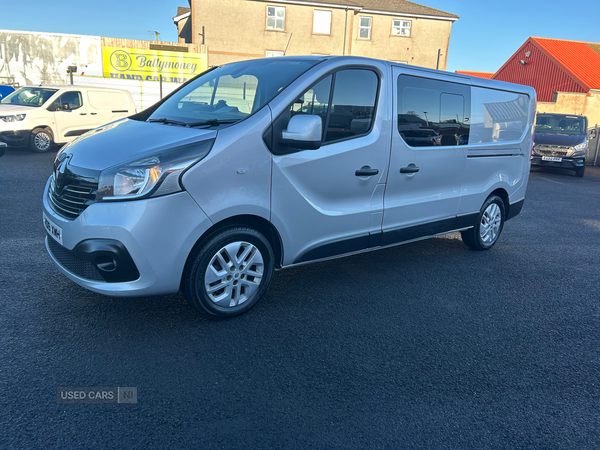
(540, 73)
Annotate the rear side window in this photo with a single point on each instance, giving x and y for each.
(346, 112)
(432, 112)
(498, 116)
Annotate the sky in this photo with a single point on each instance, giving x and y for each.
(484, 37)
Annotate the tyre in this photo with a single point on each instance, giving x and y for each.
(229, 272)
(489, 225)
(41, 140)
(580, 171)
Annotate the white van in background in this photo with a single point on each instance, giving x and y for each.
(40, 116)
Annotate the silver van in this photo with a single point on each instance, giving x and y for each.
(266, 164)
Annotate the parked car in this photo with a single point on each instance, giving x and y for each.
(560, 142)
(40, 116)
(5, 90)
(195, 194)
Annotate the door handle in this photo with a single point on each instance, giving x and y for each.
(410, 169)
(93, 114)
(83, 114)
(366, 171)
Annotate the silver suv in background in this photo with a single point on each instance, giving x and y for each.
(267, 164)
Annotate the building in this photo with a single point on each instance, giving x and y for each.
(565, 75)
(395, 30)
(184, 25)
(471, 73)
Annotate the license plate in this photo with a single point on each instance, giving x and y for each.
(53, 230)
(551, 158)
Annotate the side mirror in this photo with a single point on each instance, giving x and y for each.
(66, 107)
(303, 131)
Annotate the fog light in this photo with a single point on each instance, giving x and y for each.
(106, 264)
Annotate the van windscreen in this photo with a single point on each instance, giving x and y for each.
(231, 92)
(560, 124)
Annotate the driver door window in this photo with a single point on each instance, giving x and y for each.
(73, 99)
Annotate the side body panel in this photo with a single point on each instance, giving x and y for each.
(235, 178)
(319, 205)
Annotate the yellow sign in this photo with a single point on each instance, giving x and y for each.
(148, 65)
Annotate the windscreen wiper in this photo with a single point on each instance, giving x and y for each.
(167, 121)
(212, 122)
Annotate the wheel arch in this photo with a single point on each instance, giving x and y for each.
(258, 223)
(501, 192)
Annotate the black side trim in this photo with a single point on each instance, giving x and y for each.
(121, 111)
(494, 156)
(334, 248)
(388, 238)
(76, 133)
(418, 231)
(514, 209)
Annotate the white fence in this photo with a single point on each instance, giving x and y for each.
(144, 93)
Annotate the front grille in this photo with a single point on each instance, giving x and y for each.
(73, 263)
(552, 150)
(70, 201)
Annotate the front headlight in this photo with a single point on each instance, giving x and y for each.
(152, 176)
(17, 118)
(580, 149)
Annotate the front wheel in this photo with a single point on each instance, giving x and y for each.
(41, 140)
(229, 273)
(489, 225)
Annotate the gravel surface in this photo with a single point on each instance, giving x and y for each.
(427, 345)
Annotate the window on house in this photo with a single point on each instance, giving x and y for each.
(273, 53)
(364, 28)
(321, 22)
(401, 27)
(276, 18)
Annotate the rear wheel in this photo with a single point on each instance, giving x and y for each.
(229, 273)
(41, 140)
(580, 171)
(489, 225)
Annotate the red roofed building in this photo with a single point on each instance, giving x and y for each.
(565, 75)
(470, 73)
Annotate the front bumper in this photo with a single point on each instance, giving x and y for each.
(18, 138)
(157, 235)
(566, 163)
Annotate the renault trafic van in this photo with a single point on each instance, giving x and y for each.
(39, 116)
(271, 163)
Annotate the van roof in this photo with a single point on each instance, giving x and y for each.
(70, 86)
